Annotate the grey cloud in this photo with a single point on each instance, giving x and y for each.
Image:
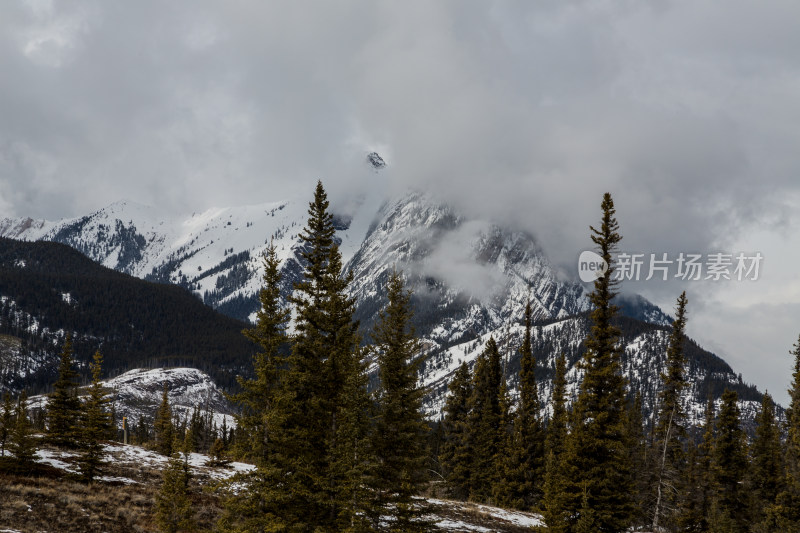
(518, 112)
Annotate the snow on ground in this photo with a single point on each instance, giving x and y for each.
(136, 458)
(457, 525)
(514, 518)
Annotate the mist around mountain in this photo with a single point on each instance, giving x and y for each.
(470, 280)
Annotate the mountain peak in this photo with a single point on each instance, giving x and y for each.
(377, 162)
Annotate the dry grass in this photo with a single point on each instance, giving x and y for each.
(50, 500)
(59, 503)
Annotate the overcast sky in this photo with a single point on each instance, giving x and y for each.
(688, 112)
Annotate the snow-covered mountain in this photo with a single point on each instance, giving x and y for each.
(471, 278)
(469, 275)
(643, 358)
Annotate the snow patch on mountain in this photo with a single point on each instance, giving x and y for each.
(137, 394)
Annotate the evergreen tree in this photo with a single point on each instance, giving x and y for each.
(6, 422)
(786, 512)
(217, 453)
(173, 506)
(63, 406)
(163, 425)
(257, 396)
(690, 515)
(523, 468)
(696, 509)
(96, 423)
(484, 431)
(766, 466)
(670, 430)
(729, 465)
(352, 459)
(457, 450)
(400, 428)
(307, 478)
(261, 417)
(554, 507)
(639, 461)
(22, 444)
(587, 523)
(598, 446)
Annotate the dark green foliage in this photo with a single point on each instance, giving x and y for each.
(554, 500)
(317, 424)
(217, 453)
(696, 503)
(457, 450)
(352, 461)
(6, 422)
(63, 406)
(695, 485)
(587, 521)
(163, 426)
(257, 395)
(639, 460)
(22, 444)
(729, 465)
(323, 356)
(400, 429)
(96, 424)
(173, 506)
(670, 430)
(765, 475)
(523, 461)
(786, 512)
(484, 423)
(598, 446)
(136, 323)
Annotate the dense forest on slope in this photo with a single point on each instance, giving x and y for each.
(48, 288)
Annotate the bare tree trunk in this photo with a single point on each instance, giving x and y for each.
(657, 512)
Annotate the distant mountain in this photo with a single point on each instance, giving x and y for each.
(471, 278)
(644, 356)
(47, 289)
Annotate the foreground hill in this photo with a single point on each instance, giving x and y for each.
(47, 289)
(121, 500)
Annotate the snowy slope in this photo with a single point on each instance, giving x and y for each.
(470, 275)
(643, 360)
(137, 394)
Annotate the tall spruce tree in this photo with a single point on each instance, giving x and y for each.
(670, 430)
(729, 466)
(400, 428)
(96, 423)
(787, 510)
(554, 499)
(164, 426)
(484, 429)
(703, 490)
(523, 465)
(598, 446)
(63, 406)
(689, 515)
(640, 460)
(257, 394)
(322, 381)
(457, 453)
(260, 416)
(765, 475)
